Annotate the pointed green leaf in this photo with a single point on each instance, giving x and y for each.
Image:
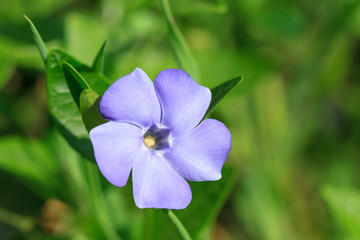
(219, 92)
(75, 82)
(84, 75)
(64, 104)
(67, 67)
(98, 64)
(64, 108)
(89, 108)
(182, 51)
(38, 40)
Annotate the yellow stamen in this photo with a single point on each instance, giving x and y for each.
(149, 141)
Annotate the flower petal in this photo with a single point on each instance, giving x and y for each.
(200, 154)
(116, 146)
(183, 101)
(131, 98)
(157, 185)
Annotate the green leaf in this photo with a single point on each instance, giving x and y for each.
(219, 92)
(182, 51)
(89, 108)
(98, 65)
(62, 104)
(67, 67)
(344, 204)
(38, 40)
(84, 75)
(71, 77)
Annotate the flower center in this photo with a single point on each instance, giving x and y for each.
(156, 138)
(149, 141)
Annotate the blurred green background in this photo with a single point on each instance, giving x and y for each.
(294, 119)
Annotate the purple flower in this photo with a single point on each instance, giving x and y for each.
(153, 131)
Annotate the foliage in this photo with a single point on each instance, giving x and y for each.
(294, 118)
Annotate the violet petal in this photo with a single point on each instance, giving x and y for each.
(116, 146)
(183, 101)
(200, 154)
(157, 185)
(132, 99)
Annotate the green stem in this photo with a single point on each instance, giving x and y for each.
(177, 223)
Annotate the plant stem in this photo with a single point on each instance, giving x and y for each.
(177, 223)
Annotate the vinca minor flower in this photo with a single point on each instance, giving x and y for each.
(154, 131)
